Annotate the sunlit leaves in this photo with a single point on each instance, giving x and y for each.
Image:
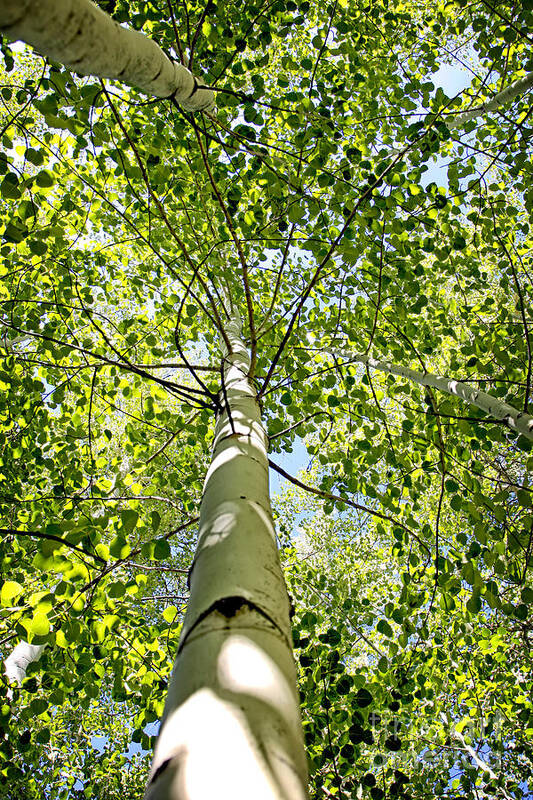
(38, 625)
(101, 210)
(9, 592)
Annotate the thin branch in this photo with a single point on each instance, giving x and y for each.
(240, 253)
(176, 34)
(53, 538)
(158, 568)
(273, 436)
(338, 499)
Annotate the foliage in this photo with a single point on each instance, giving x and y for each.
(312, 195)
(398, 692)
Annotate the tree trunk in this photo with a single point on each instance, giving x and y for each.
(520, 86)
(516, 420)
(87, 40)
(19, 659)
(231, 726)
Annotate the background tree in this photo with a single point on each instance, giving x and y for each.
(306, 197)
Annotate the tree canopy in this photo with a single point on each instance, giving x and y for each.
(343, 196)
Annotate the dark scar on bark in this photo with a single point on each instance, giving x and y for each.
(229, 607)
(159, 71)
(194, 88)
(161, 768)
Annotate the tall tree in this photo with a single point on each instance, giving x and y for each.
(135, 230)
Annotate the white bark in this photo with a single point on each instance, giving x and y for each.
(231, 726)
(19, 659)
(16, 340)
(84, 38)
(517, 420)
(520, 86)
(476, 758)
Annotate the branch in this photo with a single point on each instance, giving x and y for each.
(158, 568)
(338, 499)
(185, 392)
(516, 420)
(519, 86)
(85, 39)
(297, 424)
(51, 537)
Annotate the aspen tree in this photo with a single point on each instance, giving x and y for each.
(17, 662)
(233, 690)
(84, 38)
(323, 231)
(516, 420)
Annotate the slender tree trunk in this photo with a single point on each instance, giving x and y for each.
(516, 88)
(84, 38)
(520, 86)
(231, 726)
(20, 658)
(517, 420)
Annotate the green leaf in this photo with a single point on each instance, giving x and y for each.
(119, 548)
(161, 549)
(527, 595)
(34, 156)
(43, 736)
(474, 604)
(333, 637)
(170, 613)
(14, 233)
(363, 698)
(344, 684)
(54, 529)
(10, 590)
(384, 628)
(524, 498)
(116, 589)
(9, 187)
(38, 705)
(111, 621)
(524, 444)
(38, 625)
(44, 179)
(38, 247)
(393, 743)
(129, 520)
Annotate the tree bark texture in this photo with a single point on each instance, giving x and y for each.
(516, 420)
(520, 86)
(84, 38)
(231, 726)
(19, 659)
